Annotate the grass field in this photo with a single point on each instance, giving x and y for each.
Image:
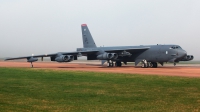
(48, 90)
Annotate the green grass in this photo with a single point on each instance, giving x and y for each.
(48, 90)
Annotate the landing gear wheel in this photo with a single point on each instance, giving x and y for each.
(144, 64)
(118, 64)
(110, 64)
(155, 65)
(174, 64)
(150, 65)
(31, 65)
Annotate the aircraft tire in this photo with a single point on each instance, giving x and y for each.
(155, 65)
(118, 64)
(150, 64)
(144, 65)
(109, 64)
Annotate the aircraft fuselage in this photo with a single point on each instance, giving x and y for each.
(155, 53)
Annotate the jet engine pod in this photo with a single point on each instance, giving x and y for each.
(105, 56)
(32, 59)
(192, 57)
(64, 58)
(114, 55)
(70, 57)
(188, 57)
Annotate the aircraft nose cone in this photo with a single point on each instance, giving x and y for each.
(182, 53)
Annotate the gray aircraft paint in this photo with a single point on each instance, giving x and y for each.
(154, 53)
(88, 41)
(142, 53)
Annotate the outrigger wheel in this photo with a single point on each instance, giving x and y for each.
(31, 65)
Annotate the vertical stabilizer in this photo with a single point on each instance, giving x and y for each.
(88, 41)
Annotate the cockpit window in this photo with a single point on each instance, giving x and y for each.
(172, 47)
(175, 47)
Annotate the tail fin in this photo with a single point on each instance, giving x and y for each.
(88, 41)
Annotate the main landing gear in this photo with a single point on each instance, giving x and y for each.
(146, 64)
(118, 64)
(112, 64)
(154, 64)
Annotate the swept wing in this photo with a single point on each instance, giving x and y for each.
(132, 50)
(53, 55)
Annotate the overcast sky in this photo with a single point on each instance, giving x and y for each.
(50, 26)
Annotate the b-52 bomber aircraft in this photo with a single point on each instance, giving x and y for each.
(148, 55)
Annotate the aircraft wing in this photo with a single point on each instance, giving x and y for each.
(54, 54)
(44, 55)
(132, 50)
(82, 52)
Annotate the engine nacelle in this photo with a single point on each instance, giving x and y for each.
(114, 55)
(64, 58)
(191, 57)
(107, 56)
(32, 59)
